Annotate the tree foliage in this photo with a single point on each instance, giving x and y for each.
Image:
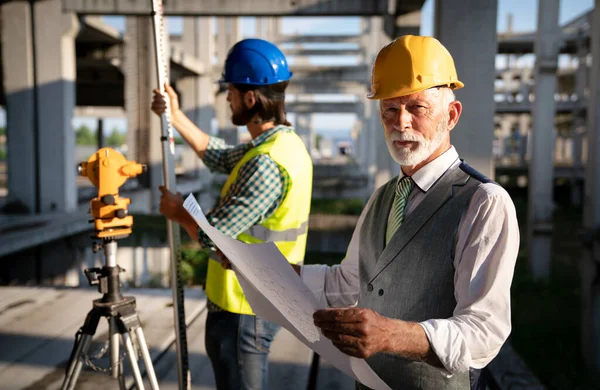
(85, 136)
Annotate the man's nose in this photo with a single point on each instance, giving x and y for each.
(404, 119)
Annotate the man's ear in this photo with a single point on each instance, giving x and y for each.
(454, 111)
(250, 99)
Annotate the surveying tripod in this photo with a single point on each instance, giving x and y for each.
(108, 170)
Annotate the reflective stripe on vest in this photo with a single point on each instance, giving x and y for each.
(262, 233)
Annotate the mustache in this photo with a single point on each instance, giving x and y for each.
(405, 137)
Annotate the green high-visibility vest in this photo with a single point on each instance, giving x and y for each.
(287, 227)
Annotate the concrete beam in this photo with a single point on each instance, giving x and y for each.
(525, 107)
(298, 51)
(319, 39)
(99, 112)
(191, 64)
(398, 25)
(241, 7)
(94, 30)
(327, 74)
(323, 107)
(297, 87)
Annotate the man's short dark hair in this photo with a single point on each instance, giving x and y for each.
(270, 101)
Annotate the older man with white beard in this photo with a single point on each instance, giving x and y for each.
(424, 291)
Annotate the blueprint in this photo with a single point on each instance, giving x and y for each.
(277, 294)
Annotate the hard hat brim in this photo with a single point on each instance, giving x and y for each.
(409, 91)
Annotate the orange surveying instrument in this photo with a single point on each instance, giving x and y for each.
(108, 170)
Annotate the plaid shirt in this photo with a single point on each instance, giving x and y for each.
(260, 186)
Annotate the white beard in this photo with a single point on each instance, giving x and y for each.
(425, 147)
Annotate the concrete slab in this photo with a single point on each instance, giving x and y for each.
(37, 342)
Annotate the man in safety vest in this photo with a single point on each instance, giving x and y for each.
(265, 199)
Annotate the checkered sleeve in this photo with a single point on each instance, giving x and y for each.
(253, 197)
(222, 157)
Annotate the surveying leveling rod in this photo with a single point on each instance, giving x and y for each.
(168, 154)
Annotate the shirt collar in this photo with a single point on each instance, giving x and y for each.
(267, 134)
(426, 177)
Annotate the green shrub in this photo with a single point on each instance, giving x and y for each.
(194, 265)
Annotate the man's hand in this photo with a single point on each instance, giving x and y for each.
(171, 205)
(159, 105)
(357, 332)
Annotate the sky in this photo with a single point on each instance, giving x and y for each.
(524, 14)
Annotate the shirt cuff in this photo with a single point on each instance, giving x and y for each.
(448, 344)
(314, 277)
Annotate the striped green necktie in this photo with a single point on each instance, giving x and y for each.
(403, 188)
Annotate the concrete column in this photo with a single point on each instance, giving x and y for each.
(576, 183)
(360, 145)
(55, 69)
(371, 42)
(304, 130)
(198, 92)
(228, 33)
(524, 131)
(559, 148)
(474, 134)
(144, 128)
(525, 88)
(505, 137)
(578, 132)
(541, 168)
(581, 74)
(260, 27)
(17, 59)
(590, 287)
(579, 123)
(381, 165)
(507, 78)
(272, 29)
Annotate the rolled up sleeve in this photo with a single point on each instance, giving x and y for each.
(486, 253)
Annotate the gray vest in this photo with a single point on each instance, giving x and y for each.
(412, 278)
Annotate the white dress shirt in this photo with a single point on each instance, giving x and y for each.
(484, 261)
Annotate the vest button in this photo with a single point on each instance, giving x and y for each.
(380, 292)
(370, 287)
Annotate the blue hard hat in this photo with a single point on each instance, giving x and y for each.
(255, 62)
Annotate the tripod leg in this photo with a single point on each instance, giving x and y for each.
(133, 360)
(87, 330)
(76, 363)
(147, 359)
(113, 332)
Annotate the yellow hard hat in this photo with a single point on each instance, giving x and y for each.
(412, 64)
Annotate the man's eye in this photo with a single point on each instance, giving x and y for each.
(391, 109)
